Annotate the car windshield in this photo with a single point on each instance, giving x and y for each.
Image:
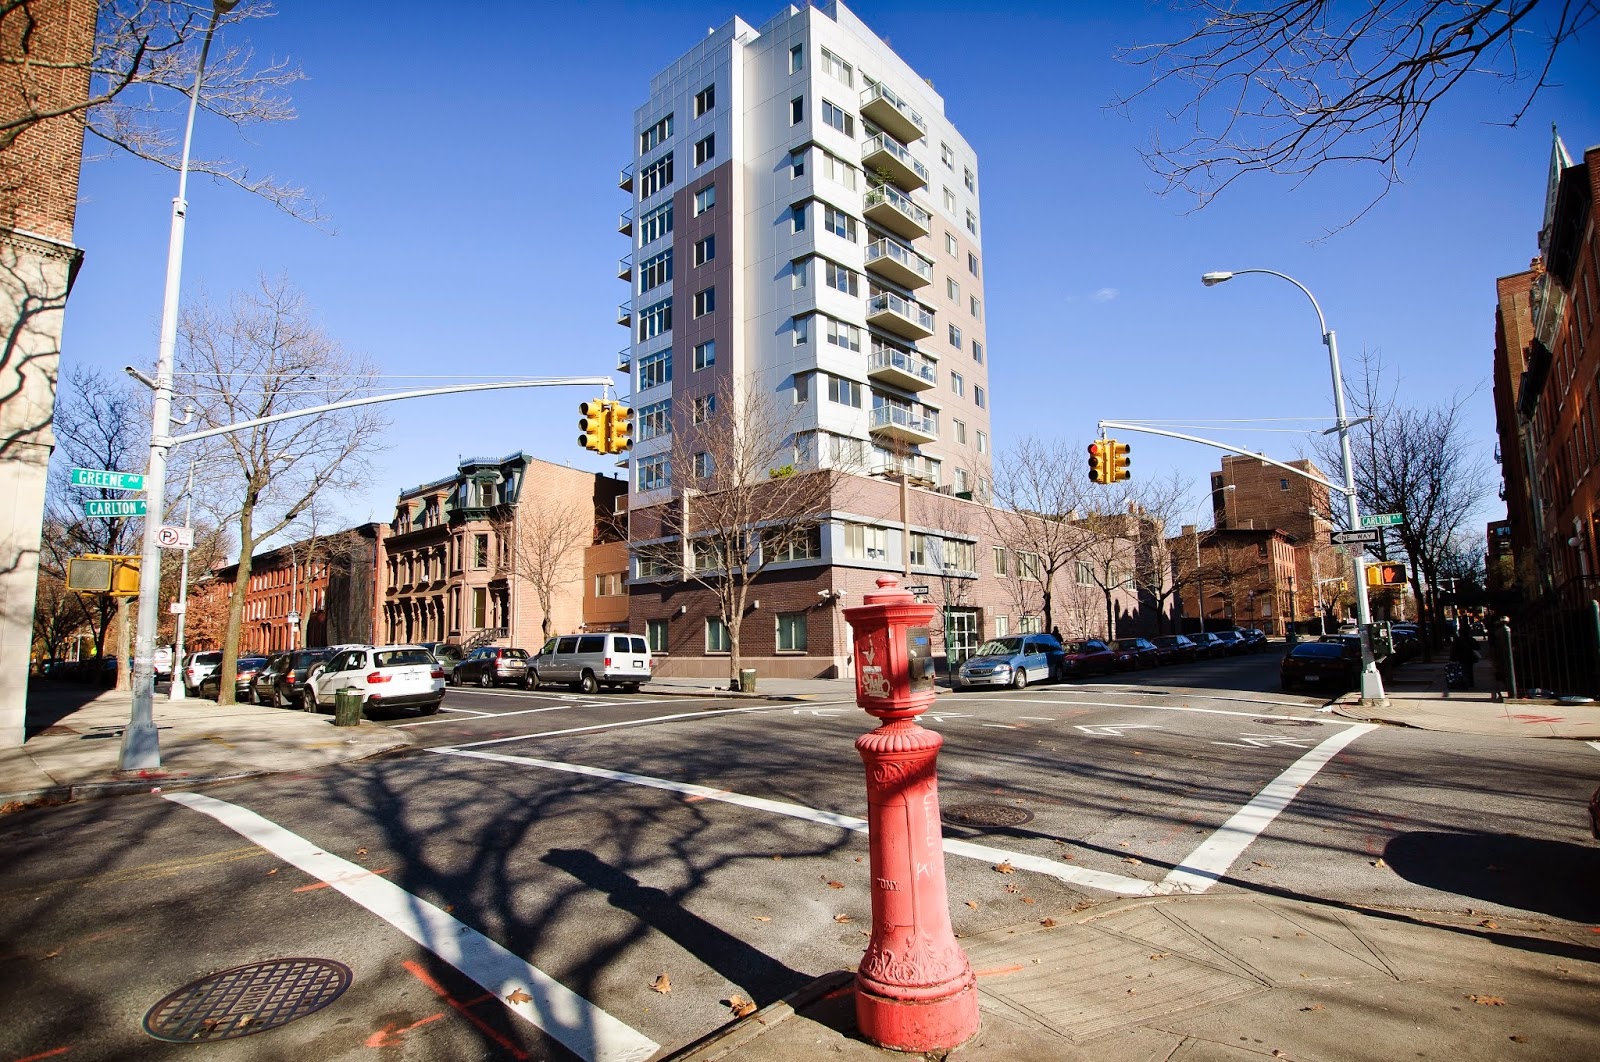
(1131, 643)
(1171, 639)
(1000, 647)
(251, 662)
(1081, 647)
(1324, 650)
(208, 658)
(402, 657)
(515, 654)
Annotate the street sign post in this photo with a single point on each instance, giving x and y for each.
(1382, 520)
(94, 477)
(1371, 534)
(171, 537)
(110, 508)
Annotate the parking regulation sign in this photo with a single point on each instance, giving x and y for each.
(175, 537)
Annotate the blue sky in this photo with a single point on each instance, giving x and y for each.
(468, 166)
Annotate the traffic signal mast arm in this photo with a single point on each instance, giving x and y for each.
(1302, 473)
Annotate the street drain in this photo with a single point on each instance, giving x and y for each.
(986, 816)
(247, 1000)
(1286, 721)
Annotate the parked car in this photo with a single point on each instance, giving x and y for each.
(1088, 657)
(404, 677)
(1254, 638)
(1133, 653)
(197, 667)
(1233, 643)
(590, 661)
(447, 653)
(281, 681)
(491, 665)
(1207, 645)
(244, 679)
(161, 662)
(1331, 663)
(1014, 660)
(1176, 648)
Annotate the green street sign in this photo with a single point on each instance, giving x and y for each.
(1383, 520)
(90, 477)
(113, 507)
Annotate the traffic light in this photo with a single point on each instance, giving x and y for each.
(619, 428)
(1118, 461)
(1386, 574)
(1100, 461)
(593, 425)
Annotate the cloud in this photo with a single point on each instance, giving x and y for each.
(1098, 295)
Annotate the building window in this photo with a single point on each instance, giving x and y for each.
(802, 333)
(655, 177)
(999, 560)
(958, 384)
(655, 420)
(961, 431)
(919, 550)
(1002, 626)
(975, 307)
(705, 301)
(798, 214)
(979, 399)
(836, 116)
(797, 59)
(797, 164)
(838, 67)
(844, 392)
(969, 178)
(836, 169)
(844, 335)
(952, 290)
(655, 635)
(949, 201)
(705, 354)
(977, 351)
(656, 319)
(655, 271)
(1085, 574)
(802, 388)
(705, 407)
(797, 110)
(1027, 565)
(972, 263)
(1283, 484)
(1030, 624)
(962, 485)
(947, 155)
(950, 245)
(793, 546)
(862, 542)
(839, 223)
(972, 222)
(983, 442)
(717, 640)
(655, 224)
(655, 369)
(954, 336)
(654, 472)
(706, 99)
(704, 200)
(704, 466)
(480, 607)
(655, 567)
(843, 279)
(705, 250)
(705, 149)
(608, 584)
(656, 135)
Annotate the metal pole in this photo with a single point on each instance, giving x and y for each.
(176, 691)
(140, 748)
(1371, 681)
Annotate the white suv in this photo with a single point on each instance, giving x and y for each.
(387, 676)
(198, 667)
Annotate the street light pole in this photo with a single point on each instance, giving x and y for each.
(1371, 681)
(140, 748)
(176, 690)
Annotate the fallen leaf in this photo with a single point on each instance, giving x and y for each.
(517, 995)
(1259, 863)
(1133, 991)
(972, 904)
(52, 954)
(271, 872)
(1029, 899)
(662, 984)
(1013, 887)
(1005, 868)
(1138, 753)
(1048, 923)
(361, 851)
(1314, 1006)
(842, 919)
(762, 918)
(1489, 923)
(1488, 1001)
(449, 907)
(835, 884)
(775, 858)
(1519, 1039)
(1278, 1054)
(740, 1006)
(1159, 955)
(1131, 859)
(1379, 862)
(858, 859)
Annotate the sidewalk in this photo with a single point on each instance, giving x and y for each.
(1418, 698)
(76, 740)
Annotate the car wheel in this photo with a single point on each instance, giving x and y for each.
(533, 680)
(632, 687)
(431, 709)
(526, 683)
(589, 684)
(454, 678)
(1020, 680)
(308, 700)
(485, 680)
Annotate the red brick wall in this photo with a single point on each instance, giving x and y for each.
(39, 171)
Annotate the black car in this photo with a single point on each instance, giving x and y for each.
(1176, 648)
(1207, 645)
(1233, 643)
(281, 681)
(1255, 638)
(1134, 653)
(1331, 664)
(243, 680)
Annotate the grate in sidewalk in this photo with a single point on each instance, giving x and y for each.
(247, 1000)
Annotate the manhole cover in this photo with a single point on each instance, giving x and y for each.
(1279, 720)
(986, 815)
(247, 1000)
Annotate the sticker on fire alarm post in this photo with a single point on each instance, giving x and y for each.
(919, 657)
(874, 682)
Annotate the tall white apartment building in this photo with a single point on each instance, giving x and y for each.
(806, 219)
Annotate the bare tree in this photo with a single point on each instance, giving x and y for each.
(58, 613)
(138, 78)
(260, 357)
(545, 543)
(745, 498)
(1290, 86)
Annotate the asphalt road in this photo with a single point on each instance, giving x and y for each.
(610, 839)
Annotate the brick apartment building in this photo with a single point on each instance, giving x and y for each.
(1245, 577)
(48, 45)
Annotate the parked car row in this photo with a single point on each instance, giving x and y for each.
(588, 662)
(1020, 659)
(1333, 661)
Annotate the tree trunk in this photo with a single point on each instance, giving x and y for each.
(735, 630)
(1049, 603)
(228, 670)
(1111, 624)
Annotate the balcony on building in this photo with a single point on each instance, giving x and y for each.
(892, 114)
(889, 208)
(625, 314)
(885, 155)
(625, 223)
(625, 360)
(904, 424)
(625, 267)
(625, 179)
(899, 263)
(900, 368)
(903, 317)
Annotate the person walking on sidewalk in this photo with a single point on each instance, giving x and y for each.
(1464, 652)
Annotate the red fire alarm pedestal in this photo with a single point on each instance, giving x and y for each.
(914, 990)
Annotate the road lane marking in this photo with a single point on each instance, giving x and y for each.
(579, 1025)
(1115, 729)
(487, 716)
(465, 711)
(611, 726)
(1097, 879)
(1208, 862)
(1181, 708)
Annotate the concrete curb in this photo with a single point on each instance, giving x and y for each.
(741, 1031)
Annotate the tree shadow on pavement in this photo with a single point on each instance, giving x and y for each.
(1551, 877)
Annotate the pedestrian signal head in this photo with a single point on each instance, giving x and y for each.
(1386, 574)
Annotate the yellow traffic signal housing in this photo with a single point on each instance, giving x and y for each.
(99, 573)
(619, 428)
(1118, 461)
(592, 423)
(1386, 574)
(1100, 461)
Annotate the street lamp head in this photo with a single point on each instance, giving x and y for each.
(222, 7)
(1213, 279)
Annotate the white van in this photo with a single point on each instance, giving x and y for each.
(589, 661)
